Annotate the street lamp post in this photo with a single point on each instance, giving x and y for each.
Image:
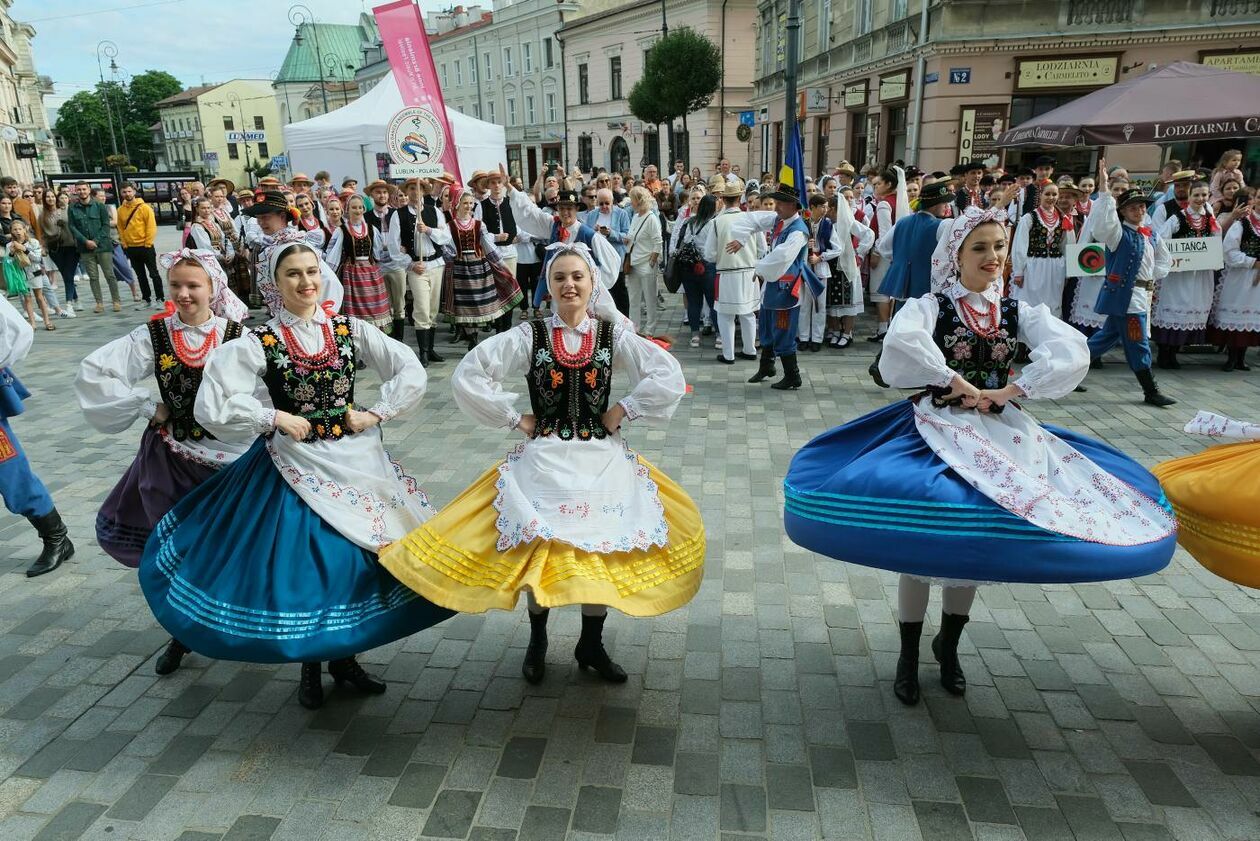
(109, 49)
(789, 71)
(334, 64)
(298, 15)
(249, 165)
(288, 106)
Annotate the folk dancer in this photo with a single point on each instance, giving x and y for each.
(424, 233)
(738, 293)
(1136, 259)
(1183, 300)
(1235, 321)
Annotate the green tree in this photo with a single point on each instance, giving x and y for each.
(85, 126)
(81, 122)
(143, 93)
(669, 91)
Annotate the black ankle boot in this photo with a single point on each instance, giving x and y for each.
(1152, 395)
(534, 667)
(590, 652)
(422, 346)
(791, 374)
(396, 329)
(57, 545)
(171, 657)
(433, 354)
(311, 687)
(945, 649)
(873, 370)
(906, 683)
(766, 369)
(1171, 362)
(1240, 362)
(348, 670)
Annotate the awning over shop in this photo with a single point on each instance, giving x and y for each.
(1176, 103)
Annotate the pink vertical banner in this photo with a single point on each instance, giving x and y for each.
(407, 47)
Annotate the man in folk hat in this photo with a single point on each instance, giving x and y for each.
(273, 219)
(423, 232)
(388, 225)
(846, 173)
(787, 275)
(1177, 201)
(1030, 196)
(737, 292)
(495, 213)
(1136, 259)
(969, 193)
(565, 226)
(229, 193)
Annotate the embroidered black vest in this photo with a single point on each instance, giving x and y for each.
(1184, 231)
(1250, 244)
(354, 248)
(1039, 245)
(178, 383)
(323, 395)
(570, 402)
(985, 363)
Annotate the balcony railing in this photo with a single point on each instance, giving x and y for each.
(1100, 12)
(1235, 8)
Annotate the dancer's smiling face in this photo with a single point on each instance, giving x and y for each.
(189, 285)
(299, 281)
(571, 283)
(982, 256)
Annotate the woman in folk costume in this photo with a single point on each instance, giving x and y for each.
(573, 515)
(1038, 270)
(176, 453)
(318, 235)
(844, 291)
(958, 484)
(889, 203)
(478, 288)
(1235, 316)
(273, 559)
(1183, 300)
(205, 234)
(1217, 498)
(356, 251)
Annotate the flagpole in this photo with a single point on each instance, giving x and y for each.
(789, 72)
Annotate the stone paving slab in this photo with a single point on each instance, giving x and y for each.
(1125, 710)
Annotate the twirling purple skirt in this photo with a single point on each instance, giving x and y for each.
(155, 481)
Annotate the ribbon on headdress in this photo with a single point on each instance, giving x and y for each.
(223, 301)
(903, 195)
(945, 258)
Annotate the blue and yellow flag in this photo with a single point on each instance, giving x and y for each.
(792, 173)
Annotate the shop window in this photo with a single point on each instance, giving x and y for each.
(897, 133)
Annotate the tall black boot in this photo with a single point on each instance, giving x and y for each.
(1153, 396)
(1171, 360)
(906, 683)
(590, 653)
(348, 670)
(1161, 358)
(396, 329)
(57, 545)
(433, 354)
(873, 370)
(171, 657)
(534, 667)
(311, 687)
(945, 649)
(766, 369)
(791, 374)
(422, 344)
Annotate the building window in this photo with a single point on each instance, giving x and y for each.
(652, 149)
(896, 133)
(614, 77)
(821, 140)
(258, 123)
(476, 110)
(857, 139)
(485, 62)
(530, 117)
(548, 60)
(490, 112)
(864, 14)
(263, 152)
(459, 73)
(584, 85)
(682, 144)
(507, 62)
(442, 73)
(511, 110)
(527, 57)
(227, 123)
(233, 152)
(549, 102)
(767, 41)
(899, 9)
(586, 160)
(472, 69)
(824, 25)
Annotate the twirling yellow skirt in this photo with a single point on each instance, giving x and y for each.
(452, 560)
(1216, 495)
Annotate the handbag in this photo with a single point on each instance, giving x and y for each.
(15, 278)
(625, 261)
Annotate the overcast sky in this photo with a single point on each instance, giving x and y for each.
(204, 41)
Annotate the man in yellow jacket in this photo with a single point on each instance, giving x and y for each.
(137, 228)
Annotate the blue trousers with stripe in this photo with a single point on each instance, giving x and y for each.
(777, 329)
(24, 494)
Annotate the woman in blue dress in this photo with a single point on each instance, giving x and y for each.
(274, 559)
(958, 484)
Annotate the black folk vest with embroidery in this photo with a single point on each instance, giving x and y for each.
(985, 363)
(569, 402)
(178, 383)
(1042, 243)
(322, 394)
(1250, 244)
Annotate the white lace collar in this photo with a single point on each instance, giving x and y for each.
(955, 291)
(174, 322)
(288, 319)
(554, 320)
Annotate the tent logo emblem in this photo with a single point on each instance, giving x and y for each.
(1128, 131)
(415, 139)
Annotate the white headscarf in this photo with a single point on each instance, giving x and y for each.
(845, 223)
(270, 256)
(600, 305)
(903, 195)
(223, 301)
(945, 270)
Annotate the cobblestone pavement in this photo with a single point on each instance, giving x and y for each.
(1128, 710)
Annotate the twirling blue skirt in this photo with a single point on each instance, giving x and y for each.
(872, 492)
(242, 569)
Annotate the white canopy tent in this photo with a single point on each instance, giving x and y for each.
(346, 141)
